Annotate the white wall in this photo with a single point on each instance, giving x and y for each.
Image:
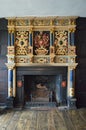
(42, 8)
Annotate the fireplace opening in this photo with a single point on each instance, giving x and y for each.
(45, 89)
(43, 85)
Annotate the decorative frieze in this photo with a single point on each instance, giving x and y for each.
(41, 59)
(24, 59)
(42, 21)
(65, 59)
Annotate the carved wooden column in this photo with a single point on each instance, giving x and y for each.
(11, 64)
(69, 37)
(30, 37)
(51, 37)
(52, 55)
(12, 38)
(72, 33)
(71, 87)
(10, 97)
(31, 44)
(14, 82)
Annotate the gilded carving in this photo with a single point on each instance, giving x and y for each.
(11, 50)
(52, 59)
(73, 66)
(10, 65)
(41, 59)
(22, 22)
(11, 22)
(11, 59)
(72, 22)
(61, 42)
(42, 22)
(21, 60)
(52, 50)
(71, 50)
(11, 91)
(60, 59)
(22, 43)
(38, 31)
(72, 59)
(72, 92)
(72, 29)
(41, 43)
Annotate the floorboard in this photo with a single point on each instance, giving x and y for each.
(52, 119)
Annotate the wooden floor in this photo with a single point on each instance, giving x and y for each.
(43, 120)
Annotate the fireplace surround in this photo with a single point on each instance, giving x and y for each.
(41, 49)
(50, 80)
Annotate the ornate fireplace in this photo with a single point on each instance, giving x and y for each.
(41, 51)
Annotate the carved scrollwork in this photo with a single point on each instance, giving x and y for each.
(22, 22)
(61, 42)
(41, 22)
(21, 43)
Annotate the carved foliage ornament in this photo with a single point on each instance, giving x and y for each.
(61, 42)
(41, 43)
(21, 43)
(42, 21)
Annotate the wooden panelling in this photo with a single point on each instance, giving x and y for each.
(3, 68)
(80, 40)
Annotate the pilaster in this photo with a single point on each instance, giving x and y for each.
(71, 87)
(10, 97)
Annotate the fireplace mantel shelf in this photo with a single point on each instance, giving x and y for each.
(47, 64)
